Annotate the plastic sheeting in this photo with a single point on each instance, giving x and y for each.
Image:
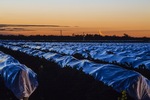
(21, 80)
(132, 82)
(121, 53)
(136, 85)
(119, 78)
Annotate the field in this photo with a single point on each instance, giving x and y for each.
(84, 71)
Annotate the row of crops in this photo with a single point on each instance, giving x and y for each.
(110, 73)
(22, 81)
(135, 54)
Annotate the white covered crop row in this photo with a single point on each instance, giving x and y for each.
(120, 79)
(134, 54)
(18, 78)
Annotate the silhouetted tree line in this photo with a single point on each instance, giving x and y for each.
(87, 37)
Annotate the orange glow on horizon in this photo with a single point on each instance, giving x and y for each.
(75, 30)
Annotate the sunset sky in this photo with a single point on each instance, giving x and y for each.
(112, 17)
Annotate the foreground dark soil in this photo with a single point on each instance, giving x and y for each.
(59, 83)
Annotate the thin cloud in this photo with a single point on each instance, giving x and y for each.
(14, 29)
(20, 25)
